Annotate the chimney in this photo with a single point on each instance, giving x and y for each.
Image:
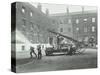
(39, 7)
(82, 9)
(47, 12)
(67, 10)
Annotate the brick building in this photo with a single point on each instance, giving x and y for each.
(32, 22)
(79, 25)
(64, 24)
(84, 25)
(31, 27)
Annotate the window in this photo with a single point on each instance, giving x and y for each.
(23, 9)
(61, 29)
(85, 19)
(69, 21)
(69, 29)
(65, 22)
(77, 29)
(31, 14)
(23, 47)
(92, 37)
(61, 21)
(37, 27)
(85, 29)
(31, 25)
(86, 38)
(77, 21)
(24, 22)
(93, 19)
(93, 29)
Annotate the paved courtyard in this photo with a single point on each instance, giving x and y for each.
(59, 62)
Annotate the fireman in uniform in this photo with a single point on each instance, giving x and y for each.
(71, 50)
(39, 52)
(32, 52)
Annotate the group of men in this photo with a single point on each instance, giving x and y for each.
(39, 55)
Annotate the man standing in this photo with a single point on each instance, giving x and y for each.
(39, 52)
(70, 50)
(32, 52)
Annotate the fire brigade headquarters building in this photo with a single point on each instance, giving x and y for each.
(81, 26)
(32, 27)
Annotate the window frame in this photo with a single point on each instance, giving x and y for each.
(31, 13)
(23, 9)
(77, 21)
(93, 28)
(93, 20)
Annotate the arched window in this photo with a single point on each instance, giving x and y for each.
(23, 9)
(31, 14)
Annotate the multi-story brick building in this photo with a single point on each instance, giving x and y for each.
(32, 22)
(64, 23)
(31, 27)
(85, 25)
(79, 25)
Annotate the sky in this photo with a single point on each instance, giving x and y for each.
(61, 8)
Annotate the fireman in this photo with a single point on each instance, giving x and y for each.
(39, 52)
(32, 52)
(70, 50)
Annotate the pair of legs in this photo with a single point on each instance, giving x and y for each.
(39, 55)
(32, 55)
(70, 51)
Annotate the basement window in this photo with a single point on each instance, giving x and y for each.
(23, 47)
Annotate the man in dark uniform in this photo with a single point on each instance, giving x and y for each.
(70, 50)
(39, 52)
(32, 52)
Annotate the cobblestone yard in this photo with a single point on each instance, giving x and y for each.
(59, 62)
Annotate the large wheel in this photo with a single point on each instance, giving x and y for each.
(48, 53)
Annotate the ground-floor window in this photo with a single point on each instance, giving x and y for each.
(23, 47)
